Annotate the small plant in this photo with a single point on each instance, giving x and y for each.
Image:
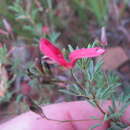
(95, 86)
(98, 8)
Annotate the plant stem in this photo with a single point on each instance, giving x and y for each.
(97, 104)
(38, 110)
(76, 81)
(63, 121)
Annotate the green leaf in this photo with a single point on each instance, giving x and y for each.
(123, 108)
(98, 65)
(115, 116)
(113, 103)
(111, 109)
(99, 93)
(21, 17)
(17, 8)
(117, 126)
(95, 118)
(19, 98)
(67, 92)
(54, 36)
(33, 83)
(107, 92)
(76, 89)
(90, 70)
(3, 55)
(95, 126)
(6, 98)
(49, 3)
(126, 98)
(70, 48)
(105, 117)
(34, 13)
(28, 28)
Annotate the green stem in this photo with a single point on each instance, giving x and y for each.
(76, 81)
(98, 106)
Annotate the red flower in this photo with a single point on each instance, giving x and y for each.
(45, 29)
(55, 54)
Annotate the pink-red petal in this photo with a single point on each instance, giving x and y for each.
(54, 53)
(85, 53)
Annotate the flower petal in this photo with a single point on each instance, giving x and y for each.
(85, 53)
(54, 53)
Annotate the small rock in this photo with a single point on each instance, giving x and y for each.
(113, 58)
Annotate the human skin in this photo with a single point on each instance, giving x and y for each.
(63, 111)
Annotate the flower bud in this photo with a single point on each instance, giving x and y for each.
(7, 26)
(45, 29)
(103, 40)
